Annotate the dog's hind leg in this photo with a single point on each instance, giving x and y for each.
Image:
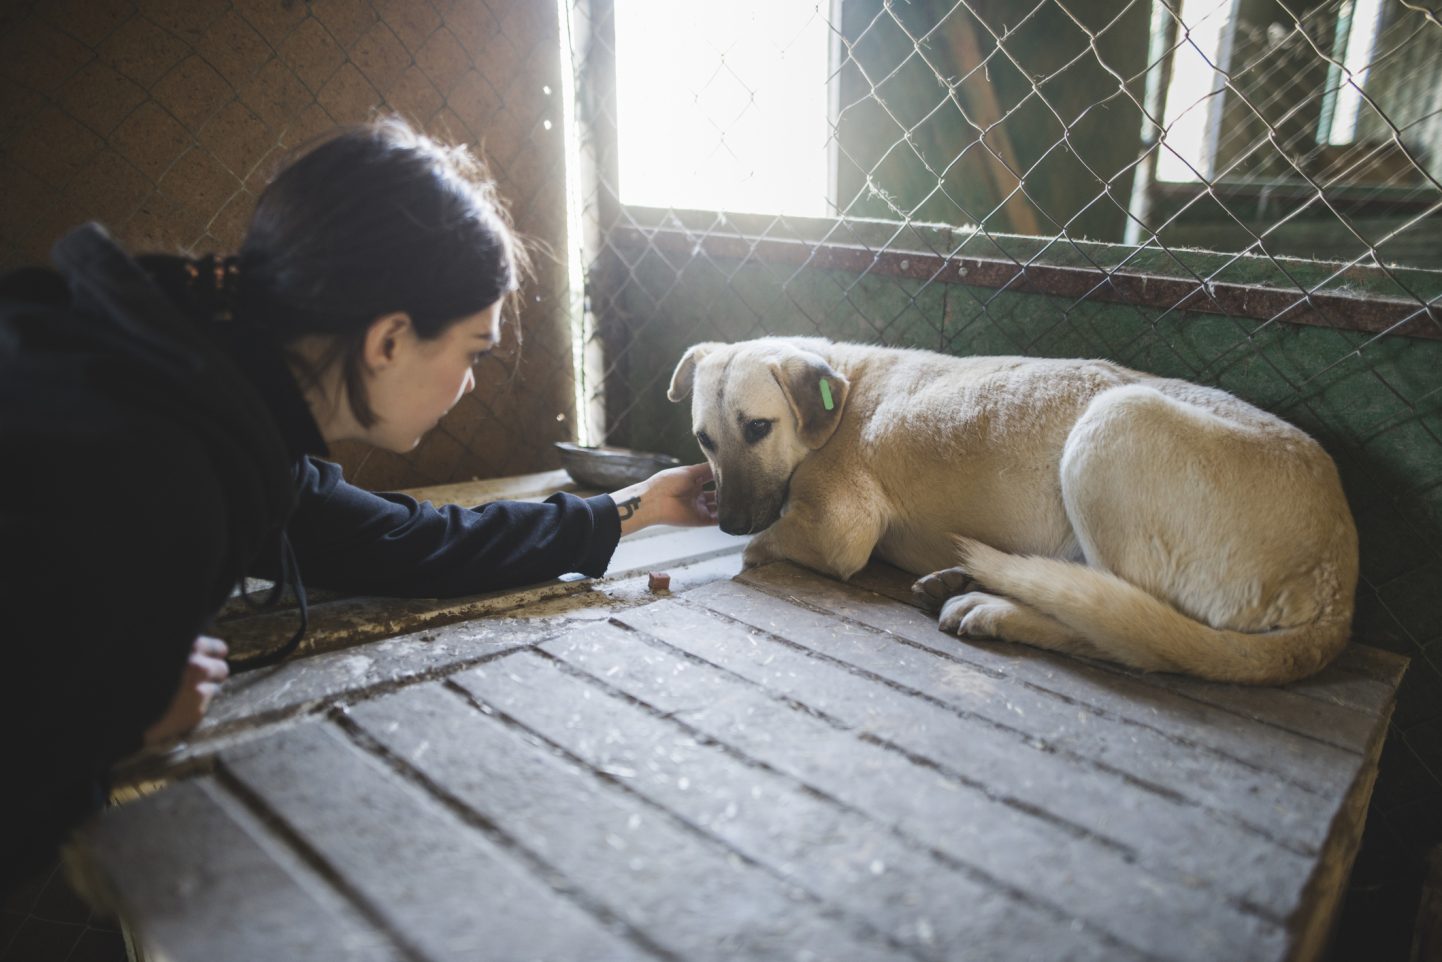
(969, 613)
(1228, 515)
(1128, 625)
(1217, 542)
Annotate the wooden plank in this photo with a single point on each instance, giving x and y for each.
(237, 607)
(997, 159)
(1333, 721)
(257, 704)
(518, 487)
(440, 884)
(1220, 735)
(304, 684)
(251, 703)
(687, 891)
(1374, 663)
(1313, 922)
(897, 884)
(636, 589)
(1338, 685)
(352, 621)
(673, 546)
(1025, 850)
(1167, 834)
(192, 873)
(1294, 814)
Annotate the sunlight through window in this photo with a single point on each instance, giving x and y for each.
(1361, 20)
(1194, 94)
(723, 106)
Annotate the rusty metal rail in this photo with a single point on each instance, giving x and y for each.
(1374, 314)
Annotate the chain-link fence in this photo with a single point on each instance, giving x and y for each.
(1242, 193)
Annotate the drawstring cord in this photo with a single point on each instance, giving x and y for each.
(289, 578)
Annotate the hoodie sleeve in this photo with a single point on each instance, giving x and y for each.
(351, 539)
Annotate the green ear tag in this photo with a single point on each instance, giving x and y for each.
(826, 394)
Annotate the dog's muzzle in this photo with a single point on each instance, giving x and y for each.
(738, 513)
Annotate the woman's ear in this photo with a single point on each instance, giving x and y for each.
(386, 338)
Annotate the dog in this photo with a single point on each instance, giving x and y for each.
(1075, 505)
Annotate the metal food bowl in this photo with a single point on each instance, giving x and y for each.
(610, 468)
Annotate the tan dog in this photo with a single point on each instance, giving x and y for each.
(1092, 509)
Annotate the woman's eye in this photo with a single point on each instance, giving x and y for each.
(704, 439)
(756, 429)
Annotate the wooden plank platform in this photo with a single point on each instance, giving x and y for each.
(770, 766)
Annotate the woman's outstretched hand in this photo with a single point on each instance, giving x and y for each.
(675, 496)
(204, 671)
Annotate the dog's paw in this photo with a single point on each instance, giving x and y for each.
(758, 552)
(935, 589)
(976, 614)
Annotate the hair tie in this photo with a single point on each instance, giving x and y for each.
(213, 281)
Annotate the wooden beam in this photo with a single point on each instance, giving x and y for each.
(986, 113)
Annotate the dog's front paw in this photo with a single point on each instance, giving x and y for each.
(935, 589)
(758, 552)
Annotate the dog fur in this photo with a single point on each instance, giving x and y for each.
(1070, 504)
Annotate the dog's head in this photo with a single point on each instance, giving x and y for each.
(758, 409)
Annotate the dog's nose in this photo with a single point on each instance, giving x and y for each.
(735, 521)
(728, 526)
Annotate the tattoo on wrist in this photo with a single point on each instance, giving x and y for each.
(629, 507)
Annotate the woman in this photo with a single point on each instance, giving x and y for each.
(158, 418)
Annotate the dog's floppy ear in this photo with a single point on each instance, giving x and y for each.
(685, 373)
(816, 393)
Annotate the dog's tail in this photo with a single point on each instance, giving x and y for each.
(1128, 625)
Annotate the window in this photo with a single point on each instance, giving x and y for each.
(724, 106)
(1193, 105)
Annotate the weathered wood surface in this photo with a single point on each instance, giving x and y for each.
(204, 841)
(426, 872)
(520, 487)
(346, 622)
(776, 766)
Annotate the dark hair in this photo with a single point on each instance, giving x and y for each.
(375, 219)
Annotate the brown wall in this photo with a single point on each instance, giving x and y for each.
(162, 119)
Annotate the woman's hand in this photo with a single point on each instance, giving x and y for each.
(204, 672)
(674, 496)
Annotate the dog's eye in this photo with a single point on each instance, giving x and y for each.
(704, 439)
(756, 430)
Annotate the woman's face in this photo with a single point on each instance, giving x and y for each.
(424, 379)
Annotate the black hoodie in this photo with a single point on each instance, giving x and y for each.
(150, 459)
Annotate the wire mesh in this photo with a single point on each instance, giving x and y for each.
(1241, 193)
